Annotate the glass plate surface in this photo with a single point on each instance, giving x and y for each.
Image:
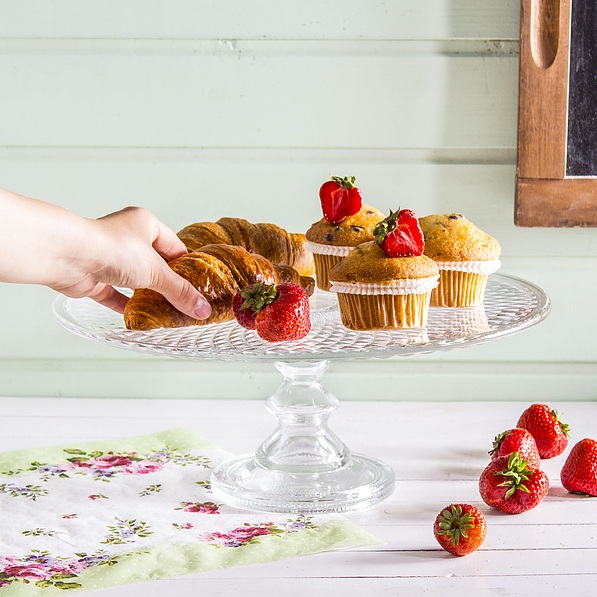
(511, 305)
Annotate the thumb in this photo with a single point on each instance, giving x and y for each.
(181, 294)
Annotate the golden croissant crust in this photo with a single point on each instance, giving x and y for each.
(218, 271)
(269, 240)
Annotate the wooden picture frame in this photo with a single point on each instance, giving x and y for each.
(556, 83)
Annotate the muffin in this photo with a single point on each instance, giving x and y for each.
(330, 243)
(465, 255)
(379, 292)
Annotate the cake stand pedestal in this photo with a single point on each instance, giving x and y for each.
(303, 466)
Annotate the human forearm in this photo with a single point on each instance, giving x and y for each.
(41, 243)
(38, 239)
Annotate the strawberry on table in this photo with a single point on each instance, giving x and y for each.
(579, 473)
(400, 234)
(551, 435)
(340, 198)
(460, 528)
(516, 440)
(512, 485)
(280, 313)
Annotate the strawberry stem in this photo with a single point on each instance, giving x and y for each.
(497, 442)
(348, 182)
(383, 228)
(258, 296)
(565, 427)
(517, 471)
(455, 524)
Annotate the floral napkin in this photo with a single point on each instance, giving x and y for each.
(119, 511)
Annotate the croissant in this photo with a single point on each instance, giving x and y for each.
(218, 271)
(274, 243)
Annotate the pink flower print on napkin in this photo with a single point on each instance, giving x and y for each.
(143, 467)
(31, 571)
(108, 465)
(202, 507)
(239, 536)
(110, 461)
(182, 527)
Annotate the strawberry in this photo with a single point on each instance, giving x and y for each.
(340, 198)
(516, 440)
(400, 234)
(279, 313)
(460, 528)
(512, 485)
(551, 435)
(249, 301)
(579, 473)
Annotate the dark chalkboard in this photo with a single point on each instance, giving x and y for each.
(581, 156)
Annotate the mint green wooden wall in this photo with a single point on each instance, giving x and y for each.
(199, 109)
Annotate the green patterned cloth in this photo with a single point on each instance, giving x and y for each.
(111, 512)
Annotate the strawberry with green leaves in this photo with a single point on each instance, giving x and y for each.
(516, 440)
(551, 435)
(249, 301)
(460, 528)
(579, 473)
(278, 313)
(340, 198)
(512, 485)
(400, 234)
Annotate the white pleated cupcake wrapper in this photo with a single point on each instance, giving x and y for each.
(411, 286)
(471, 267)
(338, 251)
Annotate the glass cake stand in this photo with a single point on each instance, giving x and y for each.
(303, 466)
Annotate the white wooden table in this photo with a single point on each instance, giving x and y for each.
(437, 451)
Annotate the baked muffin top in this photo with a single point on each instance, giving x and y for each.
(350, 232)
(451, 237)
(368, 263)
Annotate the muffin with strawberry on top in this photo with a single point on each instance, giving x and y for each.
(465, 255)
(346, 223)
(386, 283)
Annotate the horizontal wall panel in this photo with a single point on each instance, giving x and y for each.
(248, 48)
(233, 100)
(410, 19)
(395, 379)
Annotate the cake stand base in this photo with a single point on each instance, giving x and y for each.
(302, 467)
(361, 483)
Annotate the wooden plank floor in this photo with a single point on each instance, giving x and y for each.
(437, 451)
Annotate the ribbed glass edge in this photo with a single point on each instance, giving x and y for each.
(274, 353)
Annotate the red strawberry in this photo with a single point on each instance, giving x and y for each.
(551, 435)
(281, 313)
(511, 485)
(400, 234)
(340, 198)
(516, 440)
(249, 301)
(579, 473)
(460, 528)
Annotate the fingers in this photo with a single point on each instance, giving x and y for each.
(177, 291)
(109, 297)
(154, 245)
(167, 244)
(181, 294)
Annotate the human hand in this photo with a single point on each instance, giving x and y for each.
(130, 248)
